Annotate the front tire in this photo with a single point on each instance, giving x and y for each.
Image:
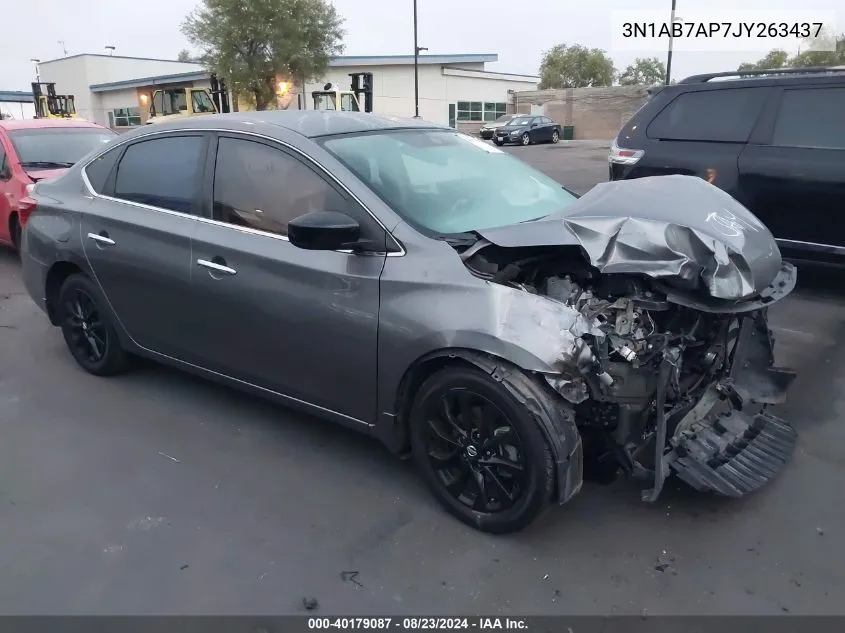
(87, 328)
(526, 139)
(482, 454)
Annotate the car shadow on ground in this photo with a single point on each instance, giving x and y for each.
(285, 427)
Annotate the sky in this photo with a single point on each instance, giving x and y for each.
(518, 32)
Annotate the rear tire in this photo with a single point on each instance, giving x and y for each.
(88, 329)
(555, 137)
(481, 453)
(16, 233)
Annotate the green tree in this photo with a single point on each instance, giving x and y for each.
(775, 58)
(810, 56)
(814, 57)
(184, 56)
(575, 66)
(645, 71)
(251, 41)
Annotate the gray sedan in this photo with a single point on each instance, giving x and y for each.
(424, 287)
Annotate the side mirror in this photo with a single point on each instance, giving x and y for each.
(323, 231)
(534, 125)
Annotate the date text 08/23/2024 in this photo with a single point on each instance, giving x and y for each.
(423, 623)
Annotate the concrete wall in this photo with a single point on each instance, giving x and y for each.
(596, 113)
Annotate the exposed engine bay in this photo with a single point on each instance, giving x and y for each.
(670, 382)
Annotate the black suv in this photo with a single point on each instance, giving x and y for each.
(774, 140)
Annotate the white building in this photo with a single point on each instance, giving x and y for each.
(453, 89)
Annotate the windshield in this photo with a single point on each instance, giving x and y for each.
(521, 120)
(447, 182)
(56, 147)
(503, 118)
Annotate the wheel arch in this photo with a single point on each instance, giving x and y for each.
(553, 415)
(56, 276)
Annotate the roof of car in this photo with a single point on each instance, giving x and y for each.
(310, 123)
(27, 124)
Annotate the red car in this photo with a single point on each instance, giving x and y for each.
(33, 150)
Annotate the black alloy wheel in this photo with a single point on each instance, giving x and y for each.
(481, 452)
(87, 328)
(526, 139)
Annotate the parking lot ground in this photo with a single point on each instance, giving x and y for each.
(160, 493)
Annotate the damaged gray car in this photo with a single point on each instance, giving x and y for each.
(419, 285)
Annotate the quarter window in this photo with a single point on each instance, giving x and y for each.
(723, 115)
(163, 172)
(811, 118)
(99, 169)
(5, 172)
(264, 188)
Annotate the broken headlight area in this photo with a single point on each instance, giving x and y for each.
(666, 382)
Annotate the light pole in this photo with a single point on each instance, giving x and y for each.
(417, 50)
(669, 56)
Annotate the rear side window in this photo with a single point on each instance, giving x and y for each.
(5, 173)
(98, 170)
(164, 172)
(726, 115)
(812, 117)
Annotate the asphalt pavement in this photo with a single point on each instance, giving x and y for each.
(158, 493)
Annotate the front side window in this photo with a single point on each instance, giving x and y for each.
(202, 102)
(726, 115)
(163, 172)
(445, 182)
(811, 118)
(348, 103)
(57, 147)
(263, 188)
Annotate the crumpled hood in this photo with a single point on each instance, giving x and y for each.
(679, 229)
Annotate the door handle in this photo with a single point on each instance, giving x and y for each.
(102, 239)
(219, 268)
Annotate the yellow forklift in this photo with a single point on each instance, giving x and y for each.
(359, 97)
(49, 105)
(169, 103)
